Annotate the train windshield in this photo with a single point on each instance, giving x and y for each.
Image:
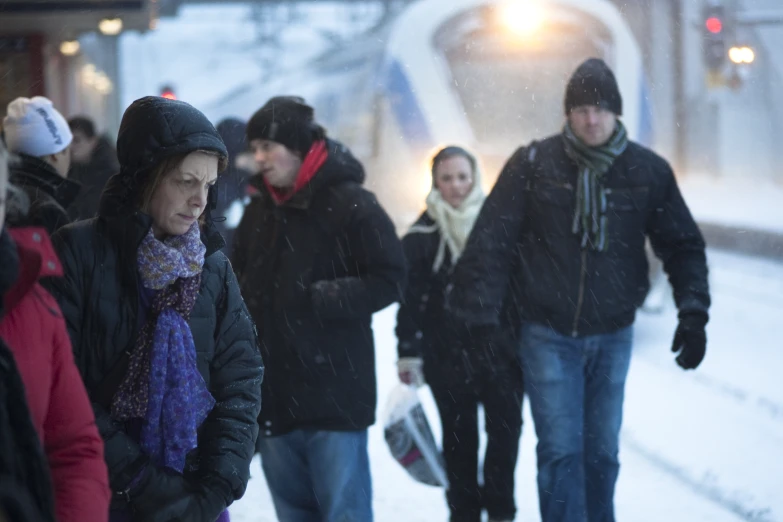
(511, 88)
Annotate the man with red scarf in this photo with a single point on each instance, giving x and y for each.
(316, 256)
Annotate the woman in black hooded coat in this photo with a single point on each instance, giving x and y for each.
(153, 225)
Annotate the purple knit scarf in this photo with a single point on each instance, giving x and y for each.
(163, 386)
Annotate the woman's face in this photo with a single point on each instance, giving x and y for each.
(181, 197)
(454, 179)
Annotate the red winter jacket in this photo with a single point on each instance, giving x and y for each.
(34, 329)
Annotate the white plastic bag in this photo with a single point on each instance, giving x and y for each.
(410, 439)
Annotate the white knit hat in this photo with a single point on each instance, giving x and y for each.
(33, 126)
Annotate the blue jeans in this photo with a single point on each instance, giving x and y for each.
(318, 476)
(576, 389)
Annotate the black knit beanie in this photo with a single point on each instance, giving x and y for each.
(287, 120)
(593, 83)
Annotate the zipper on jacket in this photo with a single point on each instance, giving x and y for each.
(581, 296)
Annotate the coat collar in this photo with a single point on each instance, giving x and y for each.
(37, 174)
(37, 259)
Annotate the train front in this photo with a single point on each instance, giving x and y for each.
(492, 76)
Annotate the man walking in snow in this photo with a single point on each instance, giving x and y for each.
(574, 211)
(316, 256)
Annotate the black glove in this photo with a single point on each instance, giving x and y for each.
(208, 503)
(161, 495)
(324, 293)
(690, 339)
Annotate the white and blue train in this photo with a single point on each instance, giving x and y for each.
(486, 74)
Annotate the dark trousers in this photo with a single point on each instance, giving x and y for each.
(501, 395)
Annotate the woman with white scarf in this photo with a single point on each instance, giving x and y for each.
(464, 370)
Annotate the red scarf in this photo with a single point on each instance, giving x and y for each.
(314, 160)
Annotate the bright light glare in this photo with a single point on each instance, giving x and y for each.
(110, 26)
(89, 74)
(69, 47)
(103, 83)
(742, 55)
(522, 16)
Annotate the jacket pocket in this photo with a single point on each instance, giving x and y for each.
(627, 199)
(552, 211)
(627, 212)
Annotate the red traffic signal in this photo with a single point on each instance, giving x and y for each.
(714, 24)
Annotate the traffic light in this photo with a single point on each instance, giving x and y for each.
(168, 93)
(715, 28)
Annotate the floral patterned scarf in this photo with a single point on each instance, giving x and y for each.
(163, 386)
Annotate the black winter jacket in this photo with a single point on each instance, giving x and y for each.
(49, 193)
(528, 217)
(318, 344)
(99, 297)
(452, 353)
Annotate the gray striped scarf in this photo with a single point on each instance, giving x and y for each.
(590, 218)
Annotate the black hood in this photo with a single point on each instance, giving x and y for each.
(35, 173)
(341, 166)
(153, 129)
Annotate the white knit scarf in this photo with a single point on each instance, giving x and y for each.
(453, 224)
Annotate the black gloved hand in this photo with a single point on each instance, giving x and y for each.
(208, 503)
(324, 294)
(161, 495)
(690, 339)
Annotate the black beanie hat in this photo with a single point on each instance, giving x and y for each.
(593, 83)
(287, 120)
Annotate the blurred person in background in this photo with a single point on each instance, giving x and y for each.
(38, 135)
(51, 455)
(231, 187)
(316, 255)
(573, 212)
(161, 334)
(462, 370)
(93, 162)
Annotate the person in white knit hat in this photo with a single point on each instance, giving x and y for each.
(41, 138)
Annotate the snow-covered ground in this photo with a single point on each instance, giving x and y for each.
(696, 446)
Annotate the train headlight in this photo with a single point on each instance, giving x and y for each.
(522, 17)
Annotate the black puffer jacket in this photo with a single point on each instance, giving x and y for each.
(527, 219)
(50, 194)
(318, 346)
(99, 297)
